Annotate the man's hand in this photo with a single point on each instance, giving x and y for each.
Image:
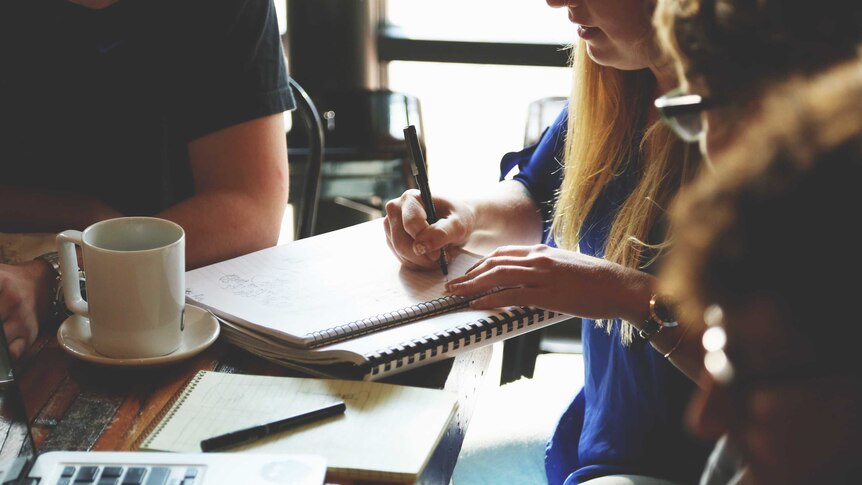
(24, 302)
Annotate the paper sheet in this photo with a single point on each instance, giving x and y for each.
(385, 430)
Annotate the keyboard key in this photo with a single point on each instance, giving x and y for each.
(86, 474)
(191, 472)
(68, 472)
(158, 476)
(112, 471)
(108, 480)
(135, 476)
(64, 481)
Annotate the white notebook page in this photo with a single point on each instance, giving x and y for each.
(386, 430)
(317, 283)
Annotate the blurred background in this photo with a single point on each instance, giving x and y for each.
(478, 79)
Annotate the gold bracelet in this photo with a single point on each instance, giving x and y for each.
(679, 341)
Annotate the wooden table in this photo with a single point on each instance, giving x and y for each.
(74, 405)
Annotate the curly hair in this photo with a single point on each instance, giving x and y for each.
(733, 49)
(773, 221)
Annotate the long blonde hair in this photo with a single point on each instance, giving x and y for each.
(608, 130)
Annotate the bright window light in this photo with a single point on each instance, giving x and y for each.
(480, 20)
(473, 114)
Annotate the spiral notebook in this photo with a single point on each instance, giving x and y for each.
(341, 304)
(21, 463)
(387, 433)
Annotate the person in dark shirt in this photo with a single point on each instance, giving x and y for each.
(116, 108)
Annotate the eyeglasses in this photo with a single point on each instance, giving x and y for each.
(714, 341)
(682, 113)
(720, 367)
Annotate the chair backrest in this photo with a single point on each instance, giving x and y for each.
(365, 155)
(310, 190)
(541, 113)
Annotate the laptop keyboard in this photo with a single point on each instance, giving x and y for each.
(132, 475)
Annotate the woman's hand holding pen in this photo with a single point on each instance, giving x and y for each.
(416, 243)
(556, 279)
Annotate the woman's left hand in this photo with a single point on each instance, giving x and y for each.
(556, 279)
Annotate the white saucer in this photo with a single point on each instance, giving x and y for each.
(201, 330)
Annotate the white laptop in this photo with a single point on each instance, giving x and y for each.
(21, 464)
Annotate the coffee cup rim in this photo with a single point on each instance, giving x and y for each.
(97, 225)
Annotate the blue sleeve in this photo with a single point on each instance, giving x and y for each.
(540, 168)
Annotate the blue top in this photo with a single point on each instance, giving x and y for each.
(628, 418)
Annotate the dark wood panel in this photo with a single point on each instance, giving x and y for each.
(392, 45)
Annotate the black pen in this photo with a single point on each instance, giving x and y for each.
(420, 173)
(260, 431)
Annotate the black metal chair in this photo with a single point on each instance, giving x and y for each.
(309, 193)
(366, 156)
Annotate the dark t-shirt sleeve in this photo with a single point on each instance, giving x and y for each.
(540, 168)
(240, 73)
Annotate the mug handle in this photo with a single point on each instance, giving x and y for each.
(66, 242)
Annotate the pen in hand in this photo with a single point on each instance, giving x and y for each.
(420, 173)
(261, 431)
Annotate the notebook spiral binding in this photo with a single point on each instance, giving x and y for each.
(164, 416)
(387, 320)
(492, 328)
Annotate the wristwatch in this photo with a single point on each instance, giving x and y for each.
(55, 293)
(52, 258)
(661, 315)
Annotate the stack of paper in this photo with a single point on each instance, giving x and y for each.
(342, 304)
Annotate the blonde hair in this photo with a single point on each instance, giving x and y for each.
(607, 133)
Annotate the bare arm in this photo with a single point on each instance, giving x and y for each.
(240, 177)
(685, 343)
(240, 194)
(506, 215)
(578, 284)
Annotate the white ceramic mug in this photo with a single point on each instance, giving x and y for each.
(135, 269)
